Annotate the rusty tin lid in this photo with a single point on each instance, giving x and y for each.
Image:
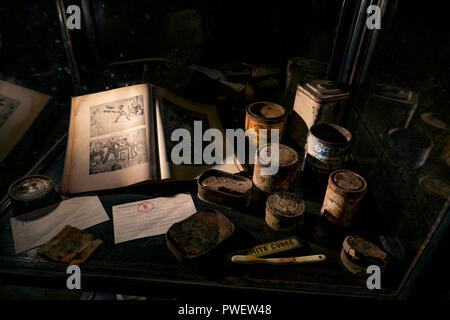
(359, 248)
(266, 111)
(323, 91)
(347, 182)
(287, 155)
(284, 204)
(395, 94)
(435, 186)
(198, 234)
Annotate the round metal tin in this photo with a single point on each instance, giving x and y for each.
(284, 179)
(31, 193)
(264, 115)
(284, 211)
(342, 198)
(327, 147)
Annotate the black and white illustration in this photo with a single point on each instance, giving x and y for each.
(175, 117)
(7, 108)
(117, 115)
(118, 152)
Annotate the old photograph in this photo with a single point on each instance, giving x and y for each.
(118, 152)
(175, 117)
(117, 116)
(7, 108)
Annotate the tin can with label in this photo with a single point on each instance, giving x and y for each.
(265, 115)
(327, 147)
(284, 211)
(284, 178)
(343, 196)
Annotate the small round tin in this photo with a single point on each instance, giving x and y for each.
(32, 193)
(327, 147)
(283, 180)
(342, 198)
(284, 211)
(264, 115)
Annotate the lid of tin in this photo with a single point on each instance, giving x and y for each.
(436, 120)
(360, 249)
(348, 180)
(330, 133)
(266, 111)
(324, 90)
(286, 156)
(285, 204)
(394, 93)
(435, 186)
(31, 188)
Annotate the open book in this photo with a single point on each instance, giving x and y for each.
(123, 136)
(19, 107)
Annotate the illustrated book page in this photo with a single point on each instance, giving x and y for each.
(175, 112)
(19, 107)
(111, 140)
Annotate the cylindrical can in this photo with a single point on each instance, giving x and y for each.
(265, 115)
(407, 148)
(436, 126)
(431, 194)
(283, 179)
(343, 196)
(327, 147)
(32, 193)
(284, 211)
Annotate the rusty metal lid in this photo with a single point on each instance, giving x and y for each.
(285, 204)
(435, 186)
(287, 155)
(324, 90)
(436, 120)
(266, 111)
(361, 249)
(395, 94)
(348, 181)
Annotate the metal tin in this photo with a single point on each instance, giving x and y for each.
(407, 148)
(223, 188)
(193, 239)
(300, 70)
(358, 253)
(283, 180)
(327, 147)
(265, 115)
(284, 211)
(436, 126)
(32, 193)
(343, 196)
(431, 194)
(320, 101)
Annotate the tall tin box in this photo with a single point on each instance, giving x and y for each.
(316, 101)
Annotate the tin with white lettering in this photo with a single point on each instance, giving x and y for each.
(283, 179)
(284, 211)
(342, 199)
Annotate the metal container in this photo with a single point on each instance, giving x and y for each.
(194, 239)
(327, 148)
(300, 70)
(408, 149)
(32, 193)
(265, 115)
(436, 126)
(320, 101)
(283, 180)
(431, 194)
(388, 107)
(223, 188)
(284, 211)
(343, 196)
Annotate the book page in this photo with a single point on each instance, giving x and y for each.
(174, 112)
(110, 140)
(19, 107)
